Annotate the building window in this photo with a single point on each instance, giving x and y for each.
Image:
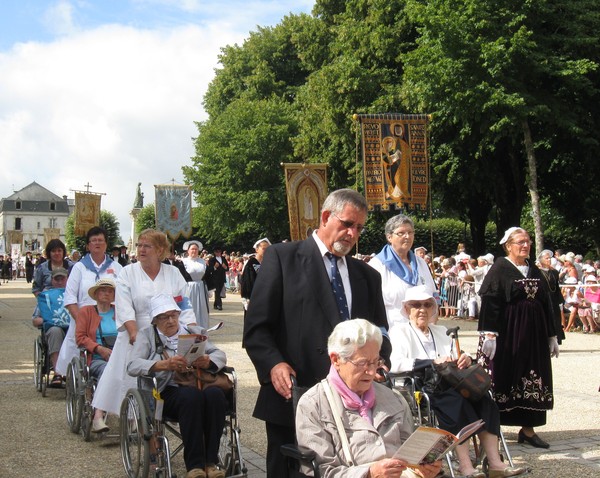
(18, 205)
(52, 222)
(38, 225)
(17, 223)
(53, 206)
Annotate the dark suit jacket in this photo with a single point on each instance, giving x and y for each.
(292, 312)
(216, 276)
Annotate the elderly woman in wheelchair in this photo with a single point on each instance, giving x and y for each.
(96, 331)
(374, 420)
(418, 344)
(200, 413)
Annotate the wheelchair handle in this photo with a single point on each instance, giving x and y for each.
(453, 333)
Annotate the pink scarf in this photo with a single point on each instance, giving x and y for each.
(350, 399)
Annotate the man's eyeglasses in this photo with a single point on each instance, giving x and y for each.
(365, 364)
(419, 305)
(350, 225)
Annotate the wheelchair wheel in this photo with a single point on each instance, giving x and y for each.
(38, 363)
(74, 400)
(135, 435)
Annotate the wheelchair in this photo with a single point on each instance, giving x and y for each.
(80, 388)
(145, 447)
(423, 414)
(41, 363)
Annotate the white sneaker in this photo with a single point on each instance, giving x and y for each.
(99, 425)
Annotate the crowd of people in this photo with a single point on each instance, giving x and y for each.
(314, 312)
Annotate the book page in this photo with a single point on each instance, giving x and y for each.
(191, 346)
(425, 445)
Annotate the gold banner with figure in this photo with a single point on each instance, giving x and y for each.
(395, 159)
(52, 233)
(173, 204)
(306, 189)
(87, 212)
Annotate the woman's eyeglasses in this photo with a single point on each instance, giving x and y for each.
(365, 364)
(420, 305)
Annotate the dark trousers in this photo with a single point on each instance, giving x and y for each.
(218, 300)
(201, 418)
(278, 435)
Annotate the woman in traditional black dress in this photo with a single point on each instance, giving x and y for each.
(518, 337)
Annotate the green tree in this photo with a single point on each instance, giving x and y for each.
(503, 80)
(108, 221)
(146, 218)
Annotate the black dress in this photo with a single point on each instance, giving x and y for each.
(519, 309)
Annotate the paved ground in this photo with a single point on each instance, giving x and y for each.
(35, 440)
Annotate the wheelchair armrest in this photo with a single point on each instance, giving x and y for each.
(300, 453)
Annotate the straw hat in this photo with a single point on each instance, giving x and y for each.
(101, 283)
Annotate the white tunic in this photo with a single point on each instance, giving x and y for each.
(134, 291)
(76, 292)
(197, 290)
(394, 289)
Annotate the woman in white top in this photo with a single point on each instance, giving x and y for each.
(85, 273)
(399, 267)
(136, 285)
(197, 290)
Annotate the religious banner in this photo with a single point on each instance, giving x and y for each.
(306, 188)
(51, 233)
(395, 159)
(87, 212)
(14, 237)
(173, 207)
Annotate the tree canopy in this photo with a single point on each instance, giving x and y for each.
(512, 88)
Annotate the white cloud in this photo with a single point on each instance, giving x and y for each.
(113, 106)
(58, 18)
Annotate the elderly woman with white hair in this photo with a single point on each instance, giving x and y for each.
(417, 345)
(375, 420)
(550, 275)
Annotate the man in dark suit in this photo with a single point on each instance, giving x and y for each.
(293, 310)
(216, 272)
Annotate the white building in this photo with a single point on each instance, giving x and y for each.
(31, 217)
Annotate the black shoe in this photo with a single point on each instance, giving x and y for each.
(535, 440)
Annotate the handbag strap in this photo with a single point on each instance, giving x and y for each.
(338, 421)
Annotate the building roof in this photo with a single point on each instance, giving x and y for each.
(34, 198)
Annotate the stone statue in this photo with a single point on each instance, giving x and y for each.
(139, 198)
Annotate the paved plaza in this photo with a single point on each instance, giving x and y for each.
(36, 441)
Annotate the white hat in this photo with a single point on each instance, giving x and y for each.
(462, 256)
(420, 293)
(264, 239)
(591, 278)
(570, 280)
(101, 283)
(489, 257)
(419, 248)
(507, 233)
(587, 268)
(187, 244)
(159, 304)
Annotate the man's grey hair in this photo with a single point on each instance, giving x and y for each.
(348, 336)
(395, 222)
(337, 200)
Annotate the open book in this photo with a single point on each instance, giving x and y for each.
(191, 346)
(427, 444)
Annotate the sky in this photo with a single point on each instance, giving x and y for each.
(106, 92)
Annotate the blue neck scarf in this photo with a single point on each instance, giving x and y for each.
(90, 266)
(390, 259)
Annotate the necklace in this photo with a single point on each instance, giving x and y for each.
(551, 283)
